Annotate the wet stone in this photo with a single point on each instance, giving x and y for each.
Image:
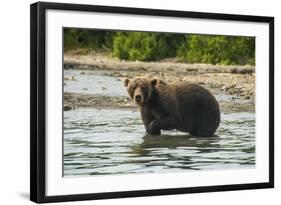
(67, 107)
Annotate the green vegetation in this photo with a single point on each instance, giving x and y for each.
(145, 46)
(149, 46)
(217, 49)
(88, 39)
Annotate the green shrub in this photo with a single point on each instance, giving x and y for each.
(145, 46)
(217, 49)
(90, 39)
(70, 36)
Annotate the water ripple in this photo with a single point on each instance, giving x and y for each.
(114, 142)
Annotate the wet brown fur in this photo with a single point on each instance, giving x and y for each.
(182, 106)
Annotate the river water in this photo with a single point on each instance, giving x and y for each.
(113, 141)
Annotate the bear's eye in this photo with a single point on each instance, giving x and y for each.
(143, 87)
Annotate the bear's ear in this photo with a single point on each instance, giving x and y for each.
(154, 82)
(126, 82)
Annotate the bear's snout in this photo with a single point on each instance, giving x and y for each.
(138, 98)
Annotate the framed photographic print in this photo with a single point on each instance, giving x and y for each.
(129, 102)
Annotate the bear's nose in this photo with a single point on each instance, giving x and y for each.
(138, 98)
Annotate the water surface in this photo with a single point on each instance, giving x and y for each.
(93, 82)
(111, 141)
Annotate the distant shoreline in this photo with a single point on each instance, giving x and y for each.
(104, 62)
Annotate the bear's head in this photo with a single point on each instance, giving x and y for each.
(140, 89)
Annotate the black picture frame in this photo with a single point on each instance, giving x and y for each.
(38, 101)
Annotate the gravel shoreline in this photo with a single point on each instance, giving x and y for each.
(104, 62)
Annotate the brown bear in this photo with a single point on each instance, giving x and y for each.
(184, 106)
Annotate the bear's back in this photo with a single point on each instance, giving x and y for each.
(197, 108)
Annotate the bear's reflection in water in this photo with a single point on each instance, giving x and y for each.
(174, 141)
(180, 150)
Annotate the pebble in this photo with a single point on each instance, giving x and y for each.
(69, 78)
(67, 108)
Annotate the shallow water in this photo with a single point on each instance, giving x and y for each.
(111, 141)
(93, 82)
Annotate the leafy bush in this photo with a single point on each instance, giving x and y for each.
(91, 39)
(218, 49)
(145, 46)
